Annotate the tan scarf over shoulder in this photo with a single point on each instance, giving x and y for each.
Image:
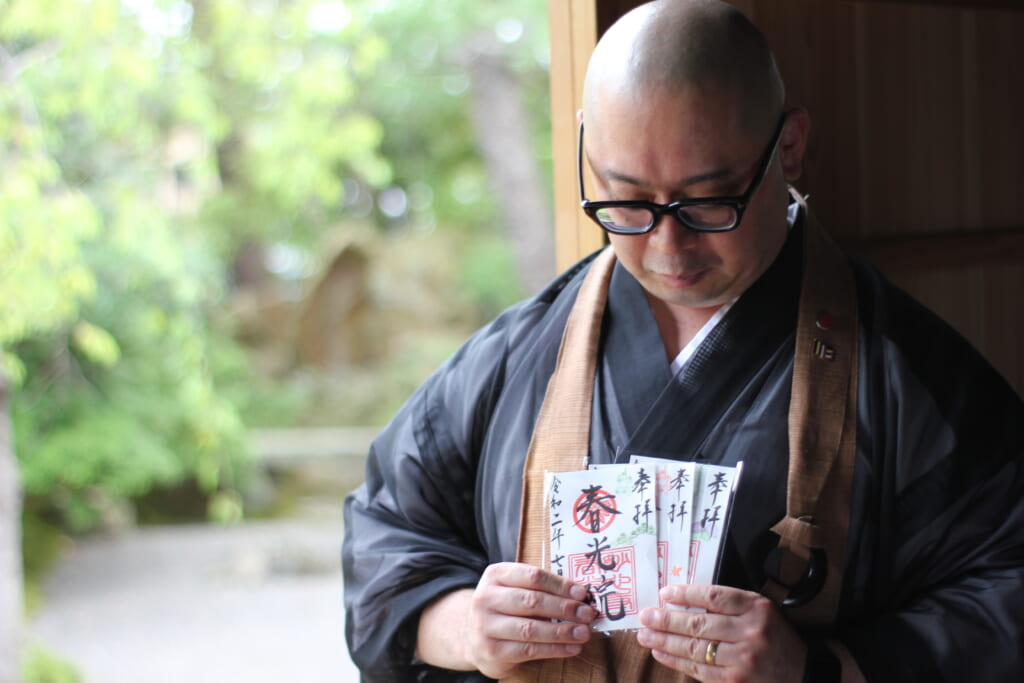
(822, 445)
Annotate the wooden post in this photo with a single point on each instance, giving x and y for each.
(573, 26)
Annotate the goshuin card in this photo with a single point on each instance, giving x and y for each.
(604, 535)
(675, 484)
(625, 531)
(715, 487)
(707, 492)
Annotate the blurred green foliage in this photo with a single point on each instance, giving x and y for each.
(144, 142)
(41, 666)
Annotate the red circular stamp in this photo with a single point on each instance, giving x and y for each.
(595, 510)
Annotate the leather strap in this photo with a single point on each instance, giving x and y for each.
(822, 434)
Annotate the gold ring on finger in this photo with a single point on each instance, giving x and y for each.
(711, 653)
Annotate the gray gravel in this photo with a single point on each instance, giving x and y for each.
(256, 602)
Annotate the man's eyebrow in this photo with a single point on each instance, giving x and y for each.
(717, 174)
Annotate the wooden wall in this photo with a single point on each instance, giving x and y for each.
(916, 158)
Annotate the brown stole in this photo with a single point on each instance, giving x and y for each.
(822, 446)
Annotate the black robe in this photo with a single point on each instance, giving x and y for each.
(933, 585)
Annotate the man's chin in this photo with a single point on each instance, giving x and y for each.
(696, 290)
(692, 298)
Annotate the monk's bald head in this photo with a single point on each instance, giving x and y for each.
(672, 45)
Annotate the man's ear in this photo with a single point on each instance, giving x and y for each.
(793, 143)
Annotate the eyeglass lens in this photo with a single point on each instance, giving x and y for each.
(638, 219)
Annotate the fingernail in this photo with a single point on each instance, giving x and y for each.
(578, 592)
(581, 633)
(573, 649)
(585, 612)
(644, 637)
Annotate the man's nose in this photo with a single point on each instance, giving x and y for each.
(670, 234)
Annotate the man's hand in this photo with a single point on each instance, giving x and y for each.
(506, 620)
(755, 642)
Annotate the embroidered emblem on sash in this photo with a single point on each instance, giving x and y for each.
(822, 350)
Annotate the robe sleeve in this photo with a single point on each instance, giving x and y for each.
(945, 599)
(414, 530)
(410, 529)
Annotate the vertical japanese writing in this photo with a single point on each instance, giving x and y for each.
(595, 555)
(710, 518)
(679, 513)
(600, 595)
(680, 481)
(643, 480)
(645, 512)
(557, 532)
(718, 484)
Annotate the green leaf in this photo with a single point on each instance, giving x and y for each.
(96, 344)
(12, 368)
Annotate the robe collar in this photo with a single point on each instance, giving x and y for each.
(659, 414)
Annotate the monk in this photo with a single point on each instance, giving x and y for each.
(694, 156)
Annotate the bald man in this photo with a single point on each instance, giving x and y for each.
(693, 156)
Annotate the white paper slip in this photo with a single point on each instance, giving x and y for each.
(604, 531)
(715, 486)
(700, 496)
(674, 504)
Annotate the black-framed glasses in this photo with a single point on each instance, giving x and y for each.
(703, 214)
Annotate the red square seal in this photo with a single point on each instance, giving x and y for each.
(614, 590)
